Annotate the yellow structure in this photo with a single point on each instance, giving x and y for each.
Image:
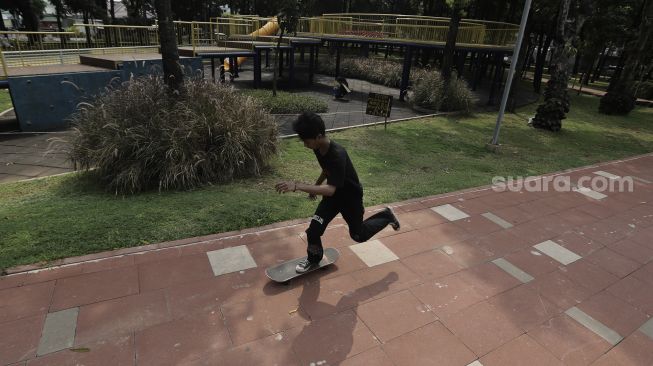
(269, 29)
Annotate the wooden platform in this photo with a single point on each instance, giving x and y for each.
(215, 51)
(51, 69)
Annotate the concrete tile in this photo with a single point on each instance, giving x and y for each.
(58, 331)
(524, 307)
(647, 328)
(477, 225)
(116, 351)
(169, 272)
(467, 253)
(590, 193)
(489, 279)
(324, 297)
(450, 212)
(557, 252)
(386, 279)
(513, 270)
(497, 220)
(606, 174)
(589, 275)
(514, 215)
(482, 327)
(229, 260)
(179, 341)
(94, 287)
(407, 243)
(341, 336)
(632, 250)
(373, 253)
(394, 315)
(594, 325)
(520, 351)
(635, 292)
(419, 219)
(569, 341)
(579, 244)
(432, 344)
(533, 261)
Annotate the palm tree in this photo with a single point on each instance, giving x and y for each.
(169, 51)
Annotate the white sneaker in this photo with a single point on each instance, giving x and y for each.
(304, 266)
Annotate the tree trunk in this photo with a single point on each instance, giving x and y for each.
(521, 61)
(550, 114)
(620, 98)
(112, 11)
(275, 75)
(169, 51)
(540, 61)
(450, 47)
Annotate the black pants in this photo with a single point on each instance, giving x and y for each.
(352, 211)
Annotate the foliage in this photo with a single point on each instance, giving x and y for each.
(287, 103)
(138, 136)
(430, 91)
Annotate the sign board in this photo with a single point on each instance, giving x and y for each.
(379, 105)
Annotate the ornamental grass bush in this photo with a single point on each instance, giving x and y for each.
(430, 91)
(139, 136)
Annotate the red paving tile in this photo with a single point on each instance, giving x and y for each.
(24, 301)
(20, 338)
(120, 316)
(569, 341)
(614, 313)
(482, 327)
(340, 336)
(635, 350)
(183, 340)
(395, 315)
(432, 344)
(443, 302)
(520, 351)
(94, 287)
(118, 351)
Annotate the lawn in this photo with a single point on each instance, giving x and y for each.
(5, 100)
(66, 216)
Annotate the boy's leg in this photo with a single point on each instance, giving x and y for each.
(360, 230)
(325, 212)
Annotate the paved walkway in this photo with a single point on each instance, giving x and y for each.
(473, 278)
(26, 156)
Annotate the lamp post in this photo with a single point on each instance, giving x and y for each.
(511, 73)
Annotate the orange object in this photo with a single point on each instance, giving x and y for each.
(270, 28)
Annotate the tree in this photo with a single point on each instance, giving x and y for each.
(556, 104)
(620, 98)
(169, 51)
(29, 10)
(89, 10)
(288, 19)
(449, 49)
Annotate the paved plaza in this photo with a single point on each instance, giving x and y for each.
(476, 277)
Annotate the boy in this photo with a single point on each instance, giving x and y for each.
(342, 194)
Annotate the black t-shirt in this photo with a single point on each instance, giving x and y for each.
(340, 171)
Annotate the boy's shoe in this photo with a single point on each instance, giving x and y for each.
(395, 222)
(304, 266)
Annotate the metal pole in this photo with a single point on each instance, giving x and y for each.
(513, 66)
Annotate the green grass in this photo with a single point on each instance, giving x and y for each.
(5, 100)
(65, 216)
(288, 103)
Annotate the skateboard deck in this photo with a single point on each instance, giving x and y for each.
(285, 271)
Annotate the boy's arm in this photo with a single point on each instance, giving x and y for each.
(321, 178)
(321, 190)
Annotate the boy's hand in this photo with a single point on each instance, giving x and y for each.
(284, 187)
(312, 197)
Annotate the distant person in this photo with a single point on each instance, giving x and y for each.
(341, 88)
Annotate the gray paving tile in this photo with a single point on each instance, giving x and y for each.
(475, 363)
(450, 212)
(590, 193)
(594, 325)
(557, 252)
(606, 174)
(58, 331)
(513, 270)
(373, 253)
(497, 220)
(647, 328)
(230, 260)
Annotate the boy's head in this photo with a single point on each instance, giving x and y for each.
(310, 128)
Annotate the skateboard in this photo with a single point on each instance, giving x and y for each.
(285, 271)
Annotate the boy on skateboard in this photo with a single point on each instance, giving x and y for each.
(342, 192)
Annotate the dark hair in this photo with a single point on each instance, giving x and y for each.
(308, 126)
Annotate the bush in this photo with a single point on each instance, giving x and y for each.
(645, 90)
(288, 103)
(617, 103)
(381, 72)
(429, 92)
(138, 136)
